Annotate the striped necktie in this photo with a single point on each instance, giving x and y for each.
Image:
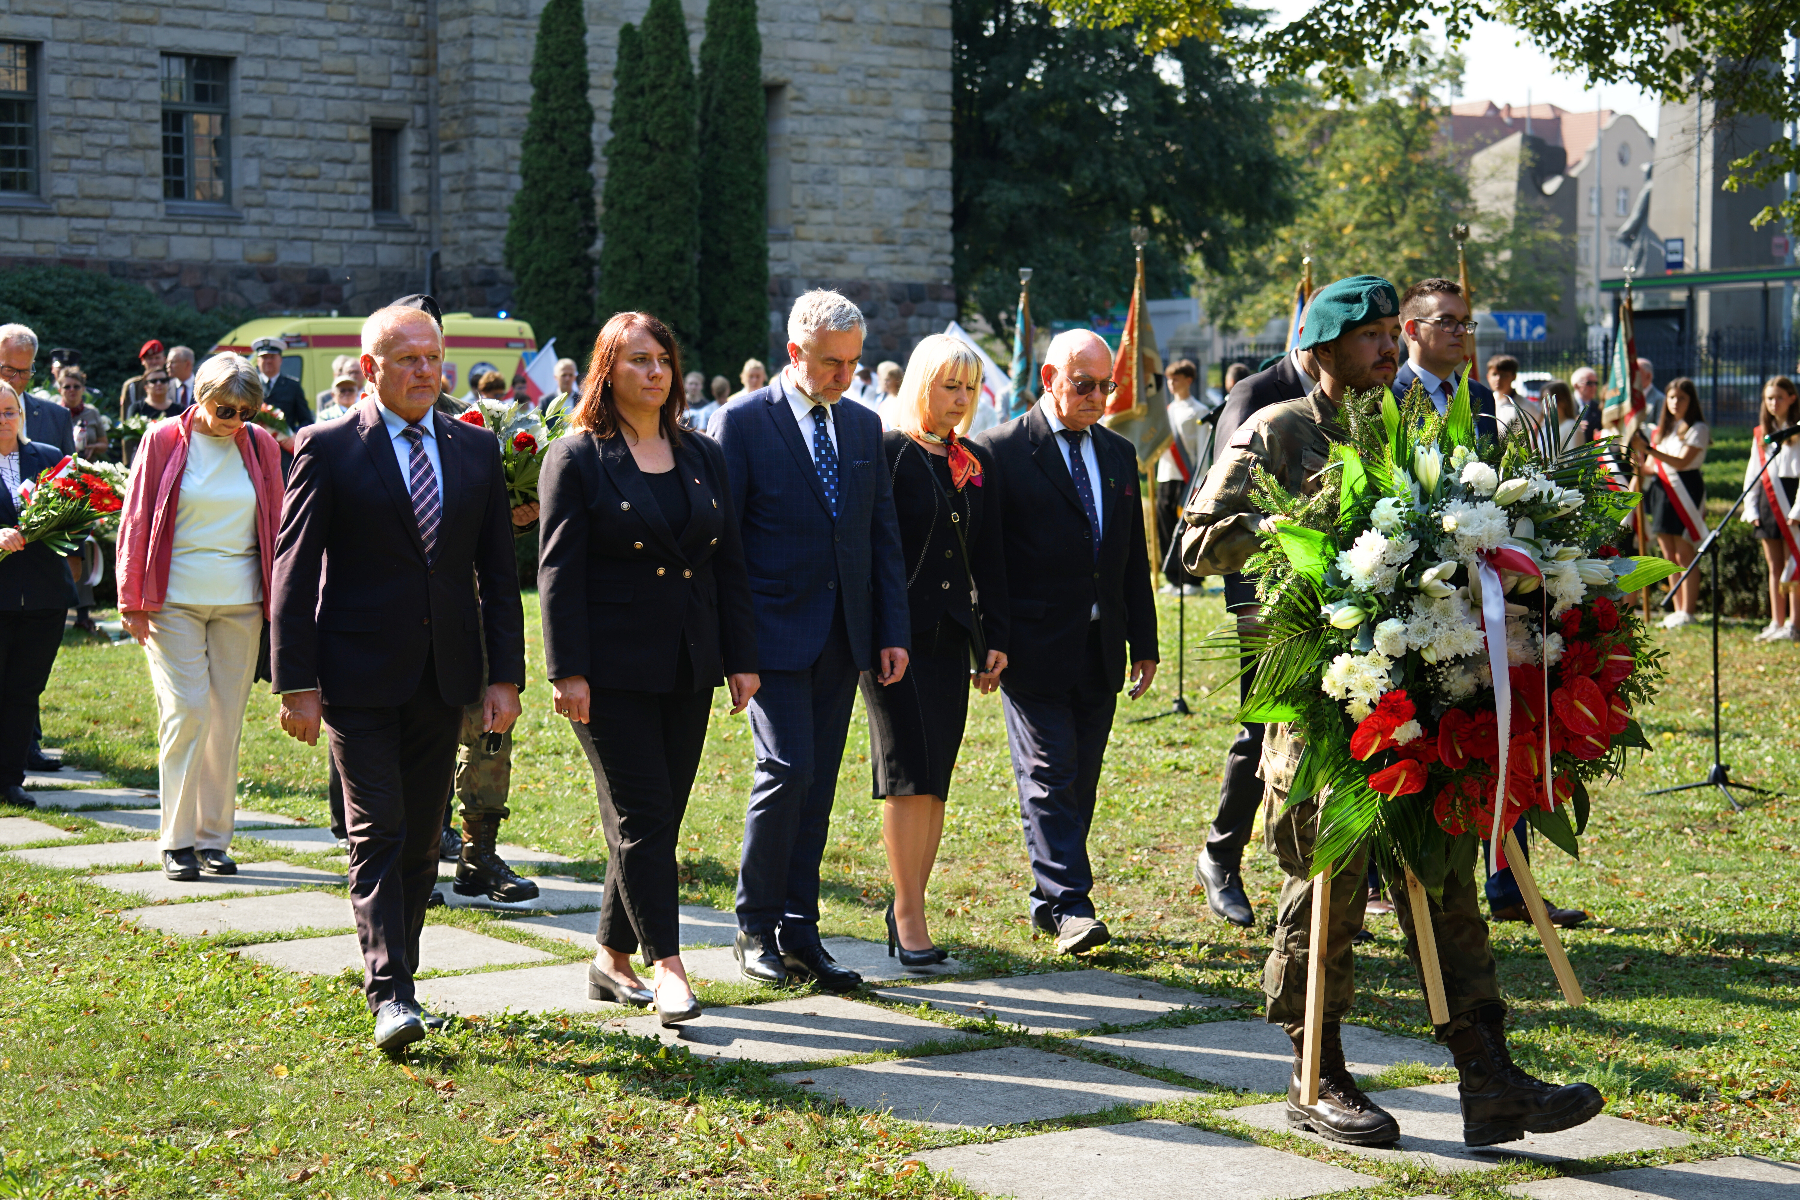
(427, 505)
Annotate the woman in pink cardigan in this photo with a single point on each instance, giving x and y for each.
(196, 545)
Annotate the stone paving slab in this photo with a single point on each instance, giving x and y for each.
(810, 1029)
(1431, 1130)
(150, 820)
(96, 798)
(250, 914)
(92, 854)
(869, 959)
(308, 839)
(43, 779)
(1254, 1056)
(441, 948)
(560, 987)
(700, 926)
(556, 893)
(1062, 1001)
(251, 877)
(1741, 1178)
(16, 831)
(1006, 1086)
(1142, 1158)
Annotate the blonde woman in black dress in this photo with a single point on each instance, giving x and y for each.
(945, 495)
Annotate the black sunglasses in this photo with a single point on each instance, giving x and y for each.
(226, 412)
(1084, 386)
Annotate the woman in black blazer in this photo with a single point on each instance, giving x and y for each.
(36, 591)
(945, 496)
(646, 607)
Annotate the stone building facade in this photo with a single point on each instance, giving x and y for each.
(310, 155)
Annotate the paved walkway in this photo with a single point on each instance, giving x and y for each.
(874, 1056)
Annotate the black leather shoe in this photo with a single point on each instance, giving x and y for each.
(397, 1025)
(450, 845)
(603, 985)
(1343, 1113)
(1224, 889)
(183, 866)
(38, 761)
(1501, 1103)
(758, 958)
(436, 899)
(433, 1022)
(928, 957)
(19, 796)
(1078, 935)
(816, 964)
(217, 862)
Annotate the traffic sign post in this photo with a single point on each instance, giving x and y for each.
(1522, 326)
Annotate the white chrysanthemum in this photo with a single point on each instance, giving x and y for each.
(1389, 514)
(1480, 478)
(1390, 637)
(1563, 581)
(1409, 732)
(1373, 562)
(1477, 528)
(1553, 649)
(1456, 681)
(1357, 679)
(1443, 629)
(1521, 643)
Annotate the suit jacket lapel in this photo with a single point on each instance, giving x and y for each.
(789, 430)
(387, 467)
(451, 445)
(692, 466)
(1048, 455)
(622, 469)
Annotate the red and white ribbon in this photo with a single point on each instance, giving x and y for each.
(1778, 500)
(1685, 508)
(1493, 618)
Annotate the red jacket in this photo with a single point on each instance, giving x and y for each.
(147, 526)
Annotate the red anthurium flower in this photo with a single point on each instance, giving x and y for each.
(1618, 714)
(472, 417)
(1580, 704)
(524, 443)
(1527, 697)
(1452, 739)
(1606, 614)
(1579, 658)
(1451, 812)
(1571, 623)
(1588, 745)
(1402, 779)
(1375, 732)
(1525, 756)
(1616, 665)
(1564, 789)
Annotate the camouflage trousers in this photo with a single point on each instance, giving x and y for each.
(483, 776)
(1464, 956)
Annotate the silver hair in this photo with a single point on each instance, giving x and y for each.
(228, 376)
(1581, 372)
(566, 362)
(822, 310)
(18, 333)
(176, 352)
(384, 319)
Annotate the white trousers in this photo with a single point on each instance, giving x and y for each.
(202, 662)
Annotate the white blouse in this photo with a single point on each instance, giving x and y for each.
(215, 559)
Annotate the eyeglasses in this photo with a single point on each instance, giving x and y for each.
(1084, 386)
(154, 380)
(9, 414)
(7, 372)
(1450, 324)
(69, 386)
(226, 412)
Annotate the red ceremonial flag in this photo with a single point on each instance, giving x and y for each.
(1126, 361)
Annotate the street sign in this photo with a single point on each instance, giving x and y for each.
(1778, 246)
(1522, 326)
(1674, 254)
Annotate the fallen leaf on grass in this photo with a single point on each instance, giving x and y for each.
(279, 1071)
(302, 1175)
(502, 1141)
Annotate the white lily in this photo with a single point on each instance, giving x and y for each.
(1343, 614)
(1511, 491)
(1428, 467)
(1594, 571)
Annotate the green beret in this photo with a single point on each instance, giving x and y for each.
(1344, 305)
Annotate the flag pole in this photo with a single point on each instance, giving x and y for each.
(1637, 479)
(1139, 236)
(1461, 234)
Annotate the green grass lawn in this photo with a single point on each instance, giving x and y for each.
(137, 1065)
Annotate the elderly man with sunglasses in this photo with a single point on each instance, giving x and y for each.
(1073, 525)
(1434, 318)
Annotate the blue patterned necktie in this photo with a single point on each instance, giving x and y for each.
(825, 455)
(428, 507)
(1084, 487)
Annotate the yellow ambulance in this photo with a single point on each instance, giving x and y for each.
(470, 344)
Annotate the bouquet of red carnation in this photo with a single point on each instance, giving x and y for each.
(523, 436)
(63, 506)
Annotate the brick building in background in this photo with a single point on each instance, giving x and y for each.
(309, 156)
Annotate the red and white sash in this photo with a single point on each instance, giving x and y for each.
(1685, 508)
(1778, 499)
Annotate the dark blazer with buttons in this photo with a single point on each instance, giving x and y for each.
(801, 561)
(1253, 392)
(937, 585)
(1053, 578)
(36, 577)
(623, 594)
(357, 606)
(48, 422)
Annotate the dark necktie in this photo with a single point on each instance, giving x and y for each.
(427, 505)
(825, 456)
(1084, 487)
(1449, 393)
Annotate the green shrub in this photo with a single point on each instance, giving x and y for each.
(105, 318)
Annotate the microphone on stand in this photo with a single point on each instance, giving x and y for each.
(1781, 435)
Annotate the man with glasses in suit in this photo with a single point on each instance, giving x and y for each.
(1440, 337)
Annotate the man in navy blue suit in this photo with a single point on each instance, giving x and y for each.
(1434, 317)
(816, 509)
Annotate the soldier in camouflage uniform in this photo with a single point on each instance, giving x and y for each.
(1352, 327)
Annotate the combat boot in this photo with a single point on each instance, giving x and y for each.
(1343, 1113)
(482, 872)
(1501, 1103)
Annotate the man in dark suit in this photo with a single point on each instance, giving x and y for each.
(1434, 317)
(822, 546)
(1074, 536)
(281, 392)
(45, 420)
(394, 515)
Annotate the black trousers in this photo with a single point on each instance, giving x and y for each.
(396, 765)
(1058, 745)
(644, 748)
(29, 640)
(1240, 791)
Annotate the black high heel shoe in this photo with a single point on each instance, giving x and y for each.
(603, 986)
(909, 958)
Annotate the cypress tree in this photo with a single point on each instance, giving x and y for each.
(550, 232)
(649, 217)
(734, 205)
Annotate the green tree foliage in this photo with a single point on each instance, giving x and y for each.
(734, 203)
(1380, 193)
(550, 232)
(1065, 138)
(649, 219)
(104, 318)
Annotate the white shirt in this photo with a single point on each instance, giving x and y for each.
(1695, 437)
(9, 473)
(1047, 405)
(802, 409)
(396, 427)
(1434, 387)
(1184, 423)
(215, 559)
(1308, 380)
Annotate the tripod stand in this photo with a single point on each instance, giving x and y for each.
(1720, 775)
